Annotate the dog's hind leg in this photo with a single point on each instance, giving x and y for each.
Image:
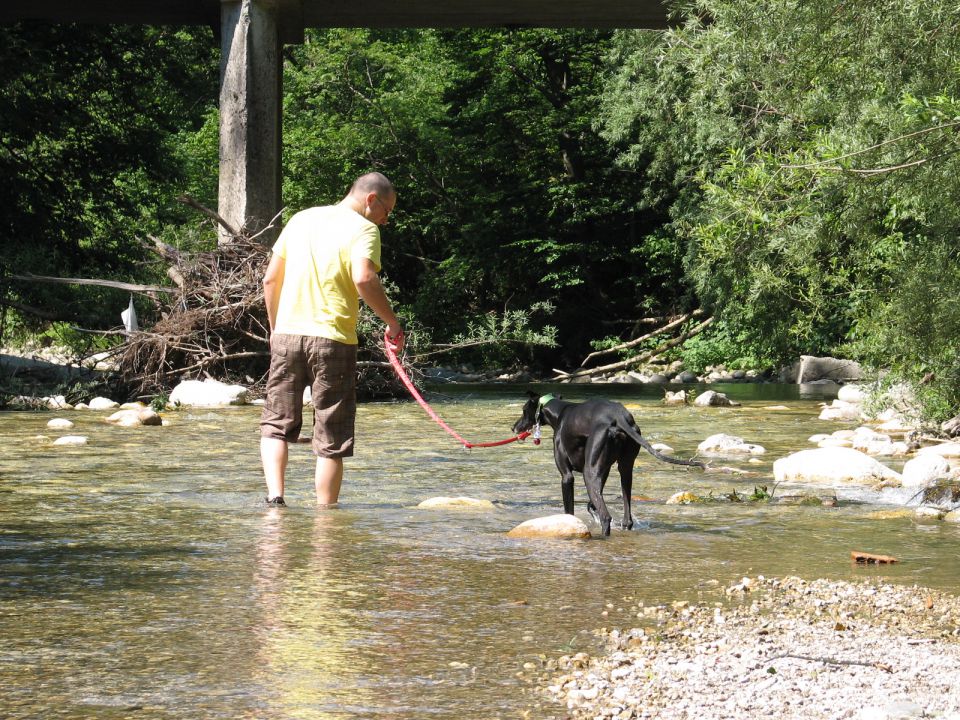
(600, 453)
(625, 467)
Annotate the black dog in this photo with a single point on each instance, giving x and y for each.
(588, 437)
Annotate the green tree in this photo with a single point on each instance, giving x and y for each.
(90, 122)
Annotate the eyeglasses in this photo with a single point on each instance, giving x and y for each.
(383, 205)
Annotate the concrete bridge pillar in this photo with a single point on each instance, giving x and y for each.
(250, 115)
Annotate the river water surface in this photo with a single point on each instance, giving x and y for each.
(141, 575)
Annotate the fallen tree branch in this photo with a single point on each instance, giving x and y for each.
(196, 205)
(132, 287)
(636, 341)
(643, 357)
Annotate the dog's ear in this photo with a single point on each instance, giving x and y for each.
(532, 395)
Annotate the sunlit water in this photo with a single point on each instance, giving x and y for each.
(141, 576)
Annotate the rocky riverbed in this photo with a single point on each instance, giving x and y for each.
(781, 648)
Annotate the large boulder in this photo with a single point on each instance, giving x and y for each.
(832, 467)
(812, 369)
(562, 526)
(208, 393)
(924, 470)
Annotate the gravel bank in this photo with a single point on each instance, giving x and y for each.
(780, 648)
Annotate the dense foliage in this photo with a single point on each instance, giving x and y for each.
(92, 121)
(789, 166)
(811, 150)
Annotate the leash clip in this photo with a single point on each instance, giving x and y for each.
(536, 434)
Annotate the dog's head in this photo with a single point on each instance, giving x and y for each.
(532, 414)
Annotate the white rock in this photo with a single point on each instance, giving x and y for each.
(461, 502)
(840, 410)
(71, 440)
(832, 466)
(134, 417)
(723, 444)
(711, 398)
(947, 450)
(59, 424)
(552, 526)
(102, 403)
(133, 406)
(924, 470)
(675, 398)
(852, 394)
(208, 393)
(835, 442)
(57, 402)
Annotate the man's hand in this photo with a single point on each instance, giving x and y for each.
(395, 337)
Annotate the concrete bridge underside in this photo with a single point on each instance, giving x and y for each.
(253, 32)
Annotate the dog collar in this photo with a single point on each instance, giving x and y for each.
(545, 399)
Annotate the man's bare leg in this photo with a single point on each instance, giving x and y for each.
(273, 454)
(327, 479)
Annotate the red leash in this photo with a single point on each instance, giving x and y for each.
(401, 373)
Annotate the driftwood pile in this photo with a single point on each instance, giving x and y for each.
(214, 325)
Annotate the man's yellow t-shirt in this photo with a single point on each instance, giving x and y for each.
(319, 247)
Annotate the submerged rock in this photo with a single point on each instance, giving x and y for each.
(71, 440)
(133, 418)
(59, 424)
(461, 502)
(562, 526)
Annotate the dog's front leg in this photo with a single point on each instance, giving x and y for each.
(566, 490)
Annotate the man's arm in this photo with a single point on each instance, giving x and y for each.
(371, 290)
(272, 282)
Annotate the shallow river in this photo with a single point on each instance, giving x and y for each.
(141, 576)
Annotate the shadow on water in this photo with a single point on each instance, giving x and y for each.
(142, 576)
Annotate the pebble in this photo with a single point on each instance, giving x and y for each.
(784, 648)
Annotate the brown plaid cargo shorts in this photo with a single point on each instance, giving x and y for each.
(330, 368)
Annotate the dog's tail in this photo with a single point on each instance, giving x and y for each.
(642, 442)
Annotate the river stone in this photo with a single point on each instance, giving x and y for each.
(723, 444)
(134, 417)
(208, 393)
(711, 398)
(59, 424)
(840, 410)
(947, 450)
(102, 403)
(852, 394)
(461, 502)
(71, 440)
(684, 497)
(675, 398)
(56, 402)
(562, 526)
(832, 466)
(925, 470)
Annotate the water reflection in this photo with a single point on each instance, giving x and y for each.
(141, 575)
